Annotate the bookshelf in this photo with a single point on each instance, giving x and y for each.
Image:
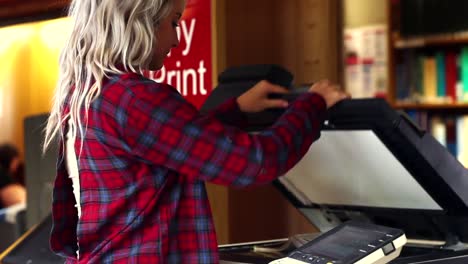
(422, 41)
(428, 68)
(448, 107)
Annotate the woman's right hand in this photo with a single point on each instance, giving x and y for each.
(332, 93)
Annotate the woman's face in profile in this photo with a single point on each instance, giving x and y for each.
(166, 35)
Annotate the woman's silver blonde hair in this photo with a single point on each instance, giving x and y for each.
(107, 36)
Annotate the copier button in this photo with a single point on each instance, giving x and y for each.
(389, 248)
(296, 255)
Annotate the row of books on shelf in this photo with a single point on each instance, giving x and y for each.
(438, 76)
(450, 131)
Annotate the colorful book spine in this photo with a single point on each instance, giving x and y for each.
(438, 130)
(430, 79)
(451, 140)
(462, 140)
(463, 93)
(451, 75)
(401, 84)
(440, 74)
(419, 76)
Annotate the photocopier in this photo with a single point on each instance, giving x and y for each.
(371, 165)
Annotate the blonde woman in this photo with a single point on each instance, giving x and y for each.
(134, 154)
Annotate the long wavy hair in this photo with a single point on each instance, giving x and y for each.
(107, 35)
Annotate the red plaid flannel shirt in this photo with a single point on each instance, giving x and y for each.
(143, 164)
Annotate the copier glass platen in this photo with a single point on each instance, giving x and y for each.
(350, 243)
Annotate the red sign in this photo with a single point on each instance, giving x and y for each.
(188, 67)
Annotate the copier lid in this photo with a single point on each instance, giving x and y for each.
(371, 156)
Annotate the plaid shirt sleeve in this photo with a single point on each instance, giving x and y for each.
(162, 128)
(229, 113)
(63, 236)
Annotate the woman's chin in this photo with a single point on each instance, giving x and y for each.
(155, 67)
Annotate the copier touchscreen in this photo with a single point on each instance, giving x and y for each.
(350, 243)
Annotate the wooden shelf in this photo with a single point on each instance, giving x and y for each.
(419, 42)
(430, 106)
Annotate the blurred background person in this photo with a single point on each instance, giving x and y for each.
(12, 190)
(10, 161)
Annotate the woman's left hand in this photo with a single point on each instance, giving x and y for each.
(256, 98)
